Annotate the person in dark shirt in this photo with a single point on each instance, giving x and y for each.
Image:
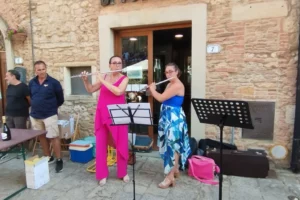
(46, 96)
(18, 101)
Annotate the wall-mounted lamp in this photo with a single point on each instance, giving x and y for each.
(133, 39)
(178, 36)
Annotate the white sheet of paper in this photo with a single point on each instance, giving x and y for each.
(142, 113)
(142, 86)
(119, 116)
(135, 87)
(129, 88)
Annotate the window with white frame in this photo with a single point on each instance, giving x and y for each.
(77, 86)
(74, 87)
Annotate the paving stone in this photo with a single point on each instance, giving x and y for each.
(75, 183)
(244, 188)
(126, 196)
(272, 189)
(182, 191)
(153, 187)
(152, 197)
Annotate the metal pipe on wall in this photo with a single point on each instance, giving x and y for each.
(31, 30)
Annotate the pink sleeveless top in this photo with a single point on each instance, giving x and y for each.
(106, 98)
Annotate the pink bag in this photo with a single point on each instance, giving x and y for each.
(203, 169)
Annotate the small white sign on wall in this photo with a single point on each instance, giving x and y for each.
(18, 60)
(213, 48)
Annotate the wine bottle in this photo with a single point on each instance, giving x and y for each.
(5, 135)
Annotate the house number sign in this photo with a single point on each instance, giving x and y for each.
(108, 2)
(213, 48)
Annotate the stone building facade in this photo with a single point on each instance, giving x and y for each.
(258, 60)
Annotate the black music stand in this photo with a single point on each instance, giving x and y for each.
(223, 113)
(131, 114)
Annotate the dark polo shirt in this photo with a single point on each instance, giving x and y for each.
(16, 102)
(45, 97)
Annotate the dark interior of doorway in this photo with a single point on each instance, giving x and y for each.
(168, 48)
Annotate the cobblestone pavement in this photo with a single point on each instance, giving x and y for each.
(74, 182)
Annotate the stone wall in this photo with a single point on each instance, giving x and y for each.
(257, 62)
(64, 31)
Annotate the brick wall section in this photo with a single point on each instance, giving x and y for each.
(257, 62)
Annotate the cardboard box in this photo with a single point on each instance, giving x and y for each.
(37, 172)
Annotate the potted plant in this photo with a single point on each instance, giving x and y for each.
(18, 34)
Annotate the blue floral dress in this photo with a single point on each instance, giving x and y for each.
(172, 133)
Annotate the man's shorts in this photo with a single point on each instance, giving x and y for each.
(49, 124)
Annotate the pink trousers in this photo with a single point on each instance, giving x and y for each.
(120, 136)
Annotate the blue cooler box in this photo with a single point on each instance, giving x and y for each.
(91, 140)
(81, 154)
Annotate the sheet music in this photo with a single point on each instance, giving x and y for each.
(135, 87)
(142, 113)
(119, 116)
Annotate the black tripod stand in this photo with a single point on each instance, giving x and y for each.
(131, 114)
(223, 113)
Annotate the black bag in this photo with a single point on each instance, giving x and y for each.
(205, 144)
(252, 163)
(193, 145)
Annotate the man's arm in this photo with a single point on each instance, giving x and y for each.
(59, 94)
(27, 93)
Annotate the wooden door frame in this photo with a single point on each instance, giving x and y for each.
(145, 31)
(3, 83)
(118, 51)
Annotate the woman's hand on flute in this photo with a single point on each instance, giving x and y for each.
(84, 75)
(100, 77)
(152, 87)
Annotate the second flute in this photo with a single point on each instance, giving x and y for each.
(144, 89)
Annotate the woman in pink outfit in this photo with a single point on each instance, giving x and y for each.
(112, 88)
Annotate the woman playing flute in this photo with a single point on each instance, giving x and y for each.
(172, 128)
(112, 88)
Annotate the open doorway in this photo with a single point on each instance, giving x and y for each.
(173, 45)
(152, 48)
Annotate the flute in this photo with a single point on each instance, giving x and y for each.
(145, 88)
(95, 73)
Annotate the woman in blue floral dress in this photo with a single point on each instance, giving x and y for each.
(173, 140)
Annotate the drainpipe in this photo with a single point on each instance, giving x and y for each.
(295, 159)
(31, 30)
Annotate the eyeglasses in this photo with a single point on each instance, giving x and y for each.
(116, 63)
(169, 72)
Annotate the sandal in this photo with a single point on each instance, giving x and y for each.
(167, 183)
(102, 182)
(126, 178)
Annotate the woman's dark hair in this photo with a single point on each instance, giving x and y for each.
(176, 68)
(114, 57)
(15, 73)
